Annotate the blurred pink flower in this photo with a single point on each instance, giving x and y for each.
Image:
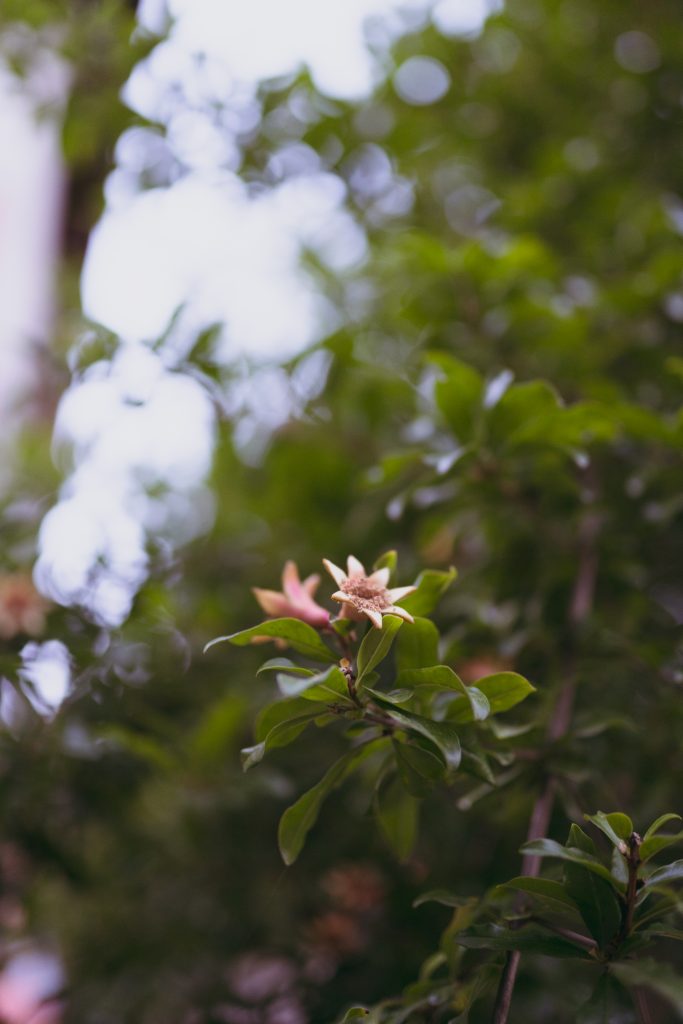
(27, 984)
(361, 594)
(22, 608)
(295, 600)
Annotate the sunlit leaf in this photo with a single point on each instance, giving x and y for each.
(299, 635)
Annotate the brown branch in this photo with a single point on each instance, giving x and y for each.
(580, 606)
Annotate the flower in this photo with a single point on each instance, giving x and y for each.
(295, 600)
(361, 594)
(22, 608)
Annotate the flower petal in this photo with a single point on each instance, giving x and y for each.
(394, 609)
(380, 577)
(355, 567)
(337, 574)
(272, 602)
(339, 595)
(375, 617)
(291, 584)
(398, 593)
(348, 611)
(311, 584)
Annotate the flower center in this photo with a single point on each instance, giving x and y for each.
(365, 591)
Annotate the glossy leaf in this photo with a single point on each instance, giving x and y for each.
(619, 868)
(609, 1003)
(656, 843)
(283, 711)
(667, 875)
(299, 635)
(443, 896)
(330, 685)
(659, 822)
(397, 813)
(417, 645)
(418, 768)
(616, 826)
(281, 735)
(355, 1013)
(284, 664)
(376, 645)
(504, 690)
(544, 888)
(299, 819)
(473, 707)
(441, 734)
(388, 561)
(597, 902)
(529, 939)
(660, 977)
(431, 585)
(459, 395)
(550, 848)
(475, 762)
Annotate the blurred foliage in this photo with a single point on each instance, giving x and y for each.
(503, 396)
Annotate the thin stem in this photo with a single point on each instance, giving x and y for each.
(567, 933)
(506, 987)
(580, 605)
(633, 861)
(641, 1005)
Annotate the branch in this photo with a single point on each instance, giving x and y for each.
(580, 606)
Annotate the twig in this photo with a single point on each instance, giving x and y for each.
(580, 606)
(641, 1005)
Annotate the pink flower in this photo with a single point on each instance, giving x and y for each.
(295, 600)
(361, 594)
(22, 608)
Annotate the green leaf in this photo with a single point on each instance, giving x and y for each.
(655, 844)
(278, 664)
(504, 690)
(530, 939)
(473, 707)
(659, 822)
(550, 848)
(441, 677)
(443, 896)
(441, 734)
(355, 1013)
(376, 644)
(578, 838)
(597, 902)
(299, 635)
(609, 1003)
(397, 813)
(329, 685)
(525, 413)
(664, 876)
(459, 395)
(475, 762)
(543, 888)
(418, 768)
(299, 819)
(280, 735)
(661, 978)
(417, 645)
(431, 585)
(386, 561)
(616, 826)
(282, 711)
(476, 709)
(619, 868)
